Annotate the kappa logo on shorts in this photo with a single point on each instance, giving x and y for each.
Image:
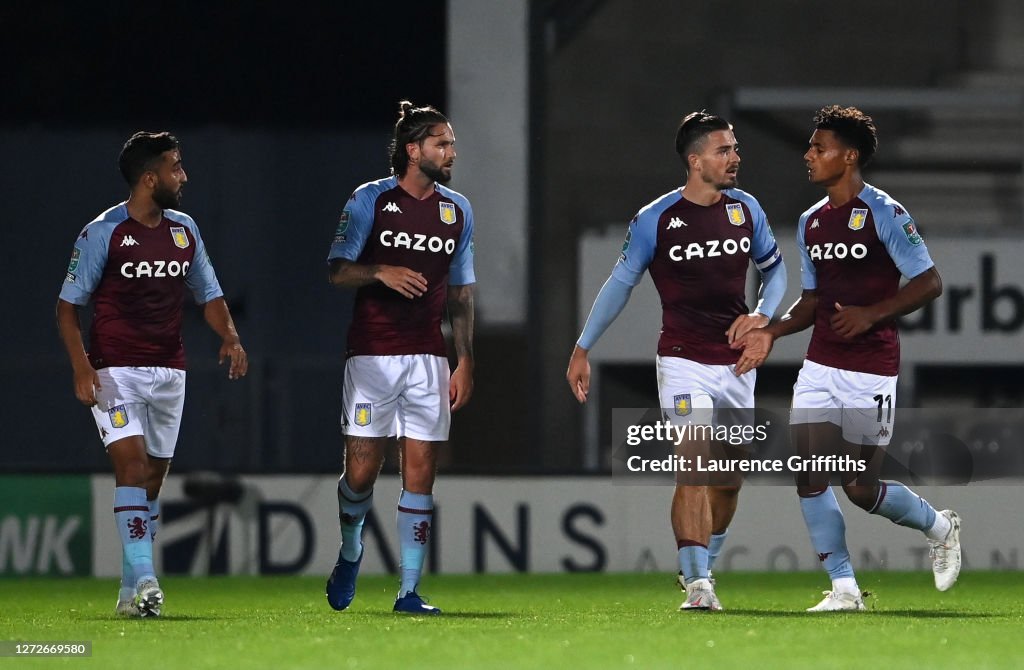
(118, 416)
(363, 413)
(179, 237)
(682, 404)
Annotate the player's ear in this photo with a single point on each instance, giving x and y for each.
(852, 156)
(413, 149)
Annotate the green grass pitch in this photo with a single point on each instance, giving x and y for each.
(528, 621)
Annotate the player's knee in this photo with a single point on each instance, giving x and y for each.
(131, 473)
(863, 497)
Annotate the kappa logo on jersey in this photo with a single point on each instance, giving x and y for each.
(76, 254)
(884, 432)
(914, 237)
(857, 219)
(391, 208)
(447, 212)
(815, 224)
(709, 249)
(118, 416)
(158, 269)
(363, 413)
(129, 241)
(831, 251)
(735, 214)
(417, 242)
(675, 222)
(898, 211)
(179, 237)
(682, 404)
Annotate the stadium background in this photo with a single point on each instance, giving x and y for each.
(565, 113)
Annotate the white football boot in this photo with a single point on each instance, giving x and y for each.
(700, 595)
(946, 553)
(839, 601)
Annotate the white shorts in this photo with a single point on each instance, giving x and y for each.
(144, 401)
(864, 405)
(692, 392)
(397, 395)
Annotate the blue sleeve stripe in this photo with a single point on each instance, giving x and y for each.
(768, 260)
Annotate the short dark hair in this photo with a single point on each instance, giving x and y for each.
(853, 127)
(694, 128)
(142, 152)
(413, 125)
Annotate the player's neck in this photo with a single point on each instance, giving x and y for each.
(701, 193)
(144, 210)
(844, 190)
(417, 184)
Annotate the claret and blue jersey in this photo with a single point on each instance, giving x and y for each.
(698, 257)
(136, 278)
(383, 224)
(854, 255)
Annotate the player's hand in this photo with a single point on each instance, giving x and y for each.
(851, 321)
(409, 283)
(239, 359)
(460, 388)
(87, 384)
(578, 374)
(756, 345)
(745, 323)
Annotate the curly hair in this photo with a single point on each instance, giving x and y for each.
(853, 127)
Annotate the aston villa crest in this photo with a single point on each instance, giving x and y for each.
(363, 414)
(735, 214)
(857, 219)
(447, 212)
(179, 237)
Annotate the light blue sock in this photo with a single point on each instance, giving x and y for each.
(131, 514)
(827, 528)
(415, 516)
(127, 573)
(693, 562)
(715, 547)
(904, 507)
(127, 591)
(352, 509)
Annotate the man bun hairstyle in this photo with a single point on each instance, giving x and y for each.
(694, 128)
(142, 153)
(413, 125)
(853, 127)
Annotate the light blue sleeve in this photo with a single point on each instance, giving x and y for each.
(354, 225)
(808, 276)
(461, 272)
(609, 303)
(773, 288)
(638, 248)
(763, 248)
(898, 233)
(201, 279)
(88, 259)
